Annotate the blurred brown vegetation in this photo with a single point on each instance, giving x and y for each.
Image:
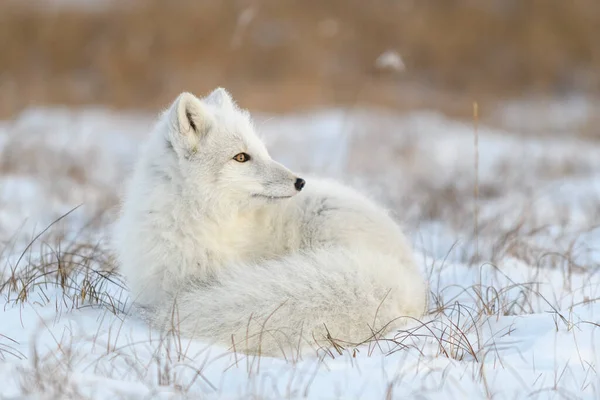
(278, 55)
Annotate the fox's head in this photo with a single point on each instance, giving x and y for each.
(217, 149)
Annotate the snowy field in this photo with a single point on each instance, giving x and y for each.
(509, 246)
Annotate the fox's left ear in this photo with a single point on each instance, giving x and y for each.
(220, 98)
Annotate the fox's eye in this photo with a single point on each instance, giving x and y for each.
(241, 157)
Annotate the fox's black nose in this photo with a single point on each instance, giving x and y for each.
(299, 184)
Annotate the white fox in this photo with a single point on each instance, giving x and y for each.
(224, 244)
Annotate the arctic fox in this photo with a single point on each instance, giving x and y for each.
(222, 243)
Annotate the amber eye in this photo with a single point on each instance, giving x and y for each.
(241, 157)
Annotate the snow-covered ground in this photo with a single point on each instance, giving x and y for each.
(514, 276)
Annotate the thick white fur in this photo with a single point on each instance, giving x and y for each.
(228, 251)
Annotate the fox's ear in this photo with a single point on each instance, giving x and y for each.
(190, 120)
(220, 98)
(190, 114)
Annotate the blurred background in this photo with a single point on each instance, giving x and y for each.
(285, 55)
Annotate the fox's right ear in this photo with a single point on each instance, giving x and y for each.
(190, 120)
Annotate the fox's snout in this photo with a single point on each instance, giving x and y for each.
(282, 182)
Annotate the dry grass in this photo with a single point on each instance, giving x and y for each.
(452, 330)
(286, 55)
(78, 269)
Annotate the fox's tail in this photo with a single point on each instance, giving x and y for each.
(306, 299)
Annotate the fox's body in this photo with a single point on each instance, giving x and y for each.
(233, 244)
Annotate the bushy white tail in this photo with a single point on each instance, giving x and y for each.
(280, 306)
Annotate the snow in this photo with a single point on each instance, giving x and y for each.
(514, 309)
(539, 114)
